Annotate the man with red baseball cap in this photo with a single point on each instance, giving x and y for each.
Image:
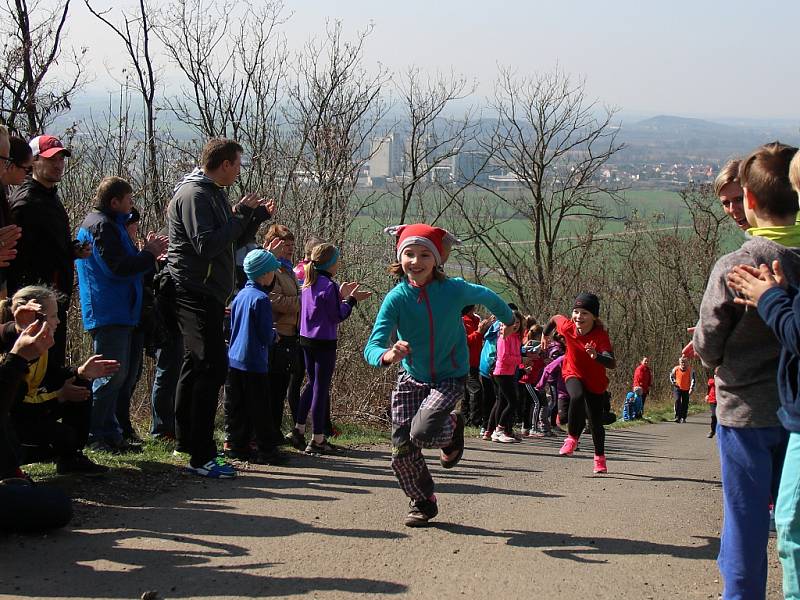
(46, 250)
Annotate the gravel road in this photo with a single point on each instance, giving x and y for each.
(515, 521)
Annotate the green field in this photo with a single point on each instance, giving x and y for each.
(657, 208)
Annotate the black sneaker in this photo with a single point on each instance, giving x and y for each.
(710, 434)
(274, 458)
(79, 463)
(237, 454)
(125, 446)
(456, 445)
(421, 512)
(324, 447)
(296, 439)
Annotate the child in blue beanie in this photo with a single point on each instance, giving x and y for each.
(247, 389)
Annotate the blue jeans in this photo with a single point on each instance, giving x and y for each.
(169, 359)
(123, 409)
(113, 342)
(751, 459)
(787, 519)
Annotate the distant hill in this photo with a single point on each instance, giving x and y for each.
(666, 138)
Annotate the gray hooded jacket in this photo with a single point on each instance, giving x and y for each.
(203, 235)
(737, 341)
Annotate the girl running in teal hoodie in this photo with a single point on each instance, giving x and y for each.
(423, 312)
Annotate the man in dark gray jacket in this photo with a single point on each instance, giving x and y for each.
(203, 234)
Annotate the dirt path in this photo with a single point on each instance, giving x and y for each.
(516, 521)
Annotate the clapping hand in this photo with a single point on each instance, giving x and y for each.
(156, 245)
(352, 288)
(70, 392)
(270, 205)
(396, 353)
(688, 349)
(250, 201)
(484, 325)
(8, 242)
(274, 245)
(750, 282)
(591, 350)
(96, 367)
(26, 314)
(34, 341)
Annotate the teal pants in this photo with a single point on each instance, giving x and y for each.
(787, 519)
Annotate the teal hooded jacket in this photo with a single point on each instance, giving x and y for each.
(429, 319)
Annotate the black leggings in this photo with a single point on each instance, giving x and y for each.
(504, 411)
(582, 404)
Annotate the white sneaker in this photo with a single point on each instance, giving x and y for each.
(482, 433)
(504, 438)
(495, 435)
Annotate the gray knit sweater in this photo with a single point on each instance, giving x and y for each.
(736, 340)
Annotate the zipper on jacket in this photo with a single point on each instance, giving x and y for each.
(432, 344)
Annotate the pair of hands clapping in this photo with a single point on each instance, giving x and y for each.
(353, 288)
(253, 201)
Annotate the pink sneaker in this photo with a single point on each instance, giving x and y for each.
(600, 464)
(570, 443)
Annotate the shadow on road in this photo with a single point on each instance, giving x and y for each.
(588, 549)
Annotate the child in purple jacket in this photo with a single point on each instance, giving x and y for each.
(323, 306)
(552, 380)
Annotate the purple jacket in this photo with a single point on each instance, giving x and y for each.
(552, 376)
(322, 309)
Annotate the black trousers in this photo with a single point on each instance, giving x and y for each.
(583, 404)
(681, 403)
(286, 373)
(33, 508)
(248, 411)
(472, 405)
(205, 366)
(488, 398)
(713, 407)
(58, 434)
(504, 411)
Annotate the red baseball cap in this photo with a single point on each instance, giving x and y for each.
(48, 146)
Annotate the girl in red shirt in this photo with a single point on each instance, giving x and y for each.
(588, 354)
(711, 398)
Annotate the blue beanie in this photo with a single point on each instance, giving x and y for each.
(257, 262)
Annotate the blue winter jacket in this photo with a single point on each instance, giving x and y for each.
(429, 319)
(110, 280)
(252, 330)
(780, 310)
(489, 350)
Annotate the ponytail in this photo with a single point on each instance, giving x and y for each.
(323, 257)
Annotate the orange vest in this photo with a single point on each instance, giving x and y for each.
(683, 378)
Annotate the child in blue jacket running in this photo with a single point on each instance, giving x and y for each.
(424, 311)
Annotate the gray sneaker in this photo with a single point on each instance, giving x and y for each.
(421, 512)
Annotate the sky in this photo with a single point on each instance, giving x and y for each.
(706, 58)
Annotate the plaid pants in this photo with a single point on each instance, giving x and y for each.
(421, 419)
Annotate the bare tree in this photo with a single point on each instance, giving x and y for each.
(31, 97)
(552, 143)
(135, 33)
(434, 139)
(231, 56)
(334, 108)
